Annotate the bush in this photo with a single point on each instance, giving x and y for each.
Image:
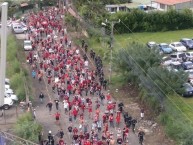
(27, 128)
(140, 21)
(14, 70)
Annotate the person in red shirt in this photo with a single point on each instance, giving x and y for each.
(90, 110)
(118, 118)
(75, 113)
(108, 97)
(111, 120)
(75, 130)
(57, 117)
(61, 142)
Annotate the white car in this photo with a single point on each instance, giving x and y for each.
(12, 96)
(8, 91)
(189, 56)
(177, 46)
(18, 28)
(151, 44)
(27, 45)
(8, 102)
(7, 81)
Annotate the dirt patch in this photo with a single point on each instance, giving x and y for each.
(154, 132)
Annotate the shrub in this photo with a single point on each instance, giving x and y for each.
(27, 128)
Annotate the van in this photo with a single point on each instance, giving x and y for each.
(177, 56)
(19, 28)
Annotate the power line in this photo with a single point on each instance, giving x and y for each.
(159, 76)
(156, 85)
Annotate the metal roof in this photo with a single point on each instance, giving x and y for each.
(171, 2)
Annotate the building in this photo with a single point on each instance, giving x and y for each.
(178, 5)
(116, 8)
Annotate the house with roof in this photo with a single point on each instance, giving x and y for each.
(178, 5)
(116, 8)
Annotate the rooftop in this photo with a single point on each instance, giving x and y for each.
(171, 2)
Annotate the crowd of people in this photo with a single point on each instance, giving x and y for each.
(94, 118)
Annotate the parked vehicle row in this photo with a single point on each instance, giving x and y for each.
(183, 45)
(9, 96)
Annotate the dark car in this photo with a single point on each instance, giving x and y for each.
(188, 43)
(188, 90)
(187, 65)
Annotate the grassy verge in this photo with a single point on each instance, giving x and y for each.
(15, 71)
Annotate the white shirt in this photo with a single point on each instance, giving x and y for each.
(65, 105)
(86, 63)
(77, 51)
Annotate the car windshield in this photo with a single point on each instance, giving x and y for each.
(28, 43)
(189, 64)
(173, 56)
(189, 41)
(177, 66)
(182, 55)
(178, 44)
(165, 46)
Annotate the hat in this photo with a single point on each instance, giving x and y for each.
(50, 131)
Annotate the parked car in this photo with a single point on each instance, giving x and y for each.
(164, 47)
(188, 90)
(18, 28)
(188, 43)
(178, 56)
(8, 102)
(27, 45)
(7, 81)
(187, 65)
(177, 46)
(189, 56)
(174, 66)
(8, 91)
(151, 44)
(12, 96)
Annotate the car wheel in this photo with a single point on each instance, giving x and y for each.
(6, 107)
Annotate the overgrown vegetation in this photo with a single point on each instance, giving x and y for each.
(140, 21)
(158, 87)
(27, 128)
(15, 71)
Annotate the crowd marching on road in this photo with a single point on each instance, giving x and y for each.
(94, 118)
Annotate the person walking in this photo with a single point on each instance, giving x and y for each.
(41, 96)
(49, 105)
(66, 106)
(57, 104)
(141, 136)
(61, 133)
(33, 73)
(142, 113)
(57, 117)
(34, 114)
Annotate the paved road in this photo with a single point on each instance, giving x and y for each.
(48, 120)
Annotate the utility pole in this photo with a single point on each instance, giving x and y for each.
(112, 23)
(4, 8)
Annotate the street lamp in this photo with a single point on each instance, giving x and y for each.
(112, 23)
(4, 8)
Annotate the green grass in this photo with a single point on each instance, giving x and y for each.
(159, 37)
